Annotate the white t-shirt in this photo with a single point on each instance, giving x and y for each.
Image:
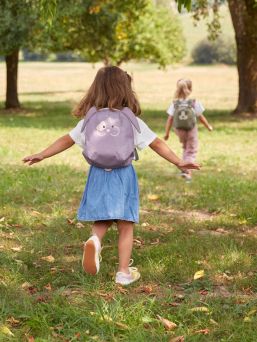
(141, 140)
(198, 107)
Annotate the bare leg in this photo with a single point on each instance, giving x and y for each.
(125, 244)
(100, 228)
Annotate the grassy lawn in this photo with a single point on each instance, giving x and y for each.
(209, 225)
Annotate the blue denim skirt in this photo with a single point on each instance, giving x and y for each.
(110, 195)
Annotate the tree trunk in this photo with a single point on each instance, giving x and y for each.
(12, 100)
(244, 18)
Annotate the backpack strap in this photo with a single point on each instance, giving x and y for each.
(88, 115)
(131, 117)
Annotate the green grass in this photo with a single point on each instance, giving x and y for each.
(207, 225)
(178, 231)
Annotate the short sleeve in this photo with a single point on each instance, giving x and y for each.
(199, 108)
(170, 110)
(76, 135)
(145, 138)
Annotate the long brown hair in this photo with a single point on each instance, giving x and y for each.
(112, 88)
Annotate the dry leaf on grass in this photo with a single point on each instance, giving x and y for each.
(155, 242)
(5, 331)
(153, 197)
(80, 225)
(48, 287)
(166, 323)
(203, 331)
(26, 285)
(48, 258)
(2, 219)
(200, 309)
(35, 213)
(14, 322)
(121, 289)
(199, 274)
(30, 339)
(177, 339)
(16, 249)
(70, 221)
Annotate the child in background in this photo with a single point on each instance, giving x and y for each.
(111, 193)
(182, 116)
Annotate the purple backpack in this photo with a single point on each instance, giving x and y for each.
(109, 137)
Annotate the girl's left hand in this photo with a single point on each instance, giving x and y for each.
(187, 165)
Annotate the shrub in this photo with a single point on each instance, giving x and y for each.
(222, 50)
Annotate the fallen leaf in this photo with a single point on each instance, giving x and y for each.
(70, 221)
(77, 335)
(14, 322)
(145, 224)
(200, 309)
(80, 225)
(247, 319)
(252, 312)
(5, 330)
(25, 285)
(31, 339)
(203, 292)
(48, 287)
(16, 249)
(203, 331)
(155, 242)
(145, 289)
(48, 258)
(177, 339)
(166, 323)
(2, 219)
(106, 296)
(174, 304)
(121, 325)
(35, 213)
(121, 289)
(153, 197)
(16, 225)
(199, 274)
(213, 322)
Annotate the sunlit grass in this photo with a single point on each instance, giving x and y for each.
(207, 225)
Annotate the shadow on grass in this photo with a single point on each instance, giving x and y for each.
(47, 114)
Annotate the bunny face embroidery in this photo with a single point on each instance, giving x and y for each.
(183, 115)
(108, 127)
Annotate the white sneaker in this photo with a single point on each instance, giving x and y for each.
(127, 279)
(91, 255)
(186, 176)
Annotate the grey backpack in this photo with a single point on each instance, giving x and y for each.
(109, 137)
(184, 114)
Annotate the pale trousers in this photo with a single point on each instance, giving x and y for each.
(189, 141)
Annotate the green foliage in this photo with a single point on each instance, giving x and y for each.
(222, 50)
(17, 21)
(118, 31)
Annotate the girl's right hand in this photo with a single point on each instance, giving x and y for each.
(188, 166)
(166, 137)
(35, 158)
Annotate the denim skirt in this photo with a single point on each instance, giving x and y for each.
(110, 195)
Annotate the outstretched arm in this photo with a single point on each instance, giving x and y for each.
(58, 146)
(205, 122)
(168, 127)
(164, 151)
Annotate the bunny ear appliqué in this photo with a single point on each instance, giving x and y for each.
(88, 115)
(132, 118)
